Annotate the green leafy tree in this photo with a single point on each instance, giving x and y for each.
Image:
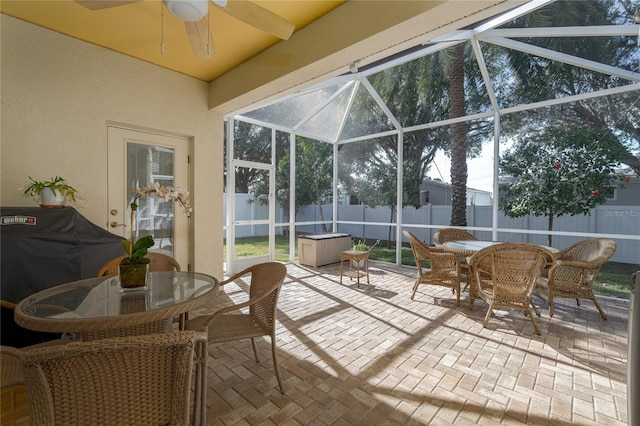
(563, 170)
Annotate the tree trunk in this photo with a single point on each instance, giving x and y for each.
(390, 228)
(458, 140)
(324, 226)
(550, 228)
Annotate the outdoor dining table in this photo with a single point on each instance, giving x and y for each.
(98, 306)
(470, 247)
(467, 248)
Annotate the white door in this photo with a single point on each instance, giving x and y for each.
(253, 218)
(136, 159)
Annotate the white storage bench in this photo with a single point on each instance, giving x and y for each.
(322, 249)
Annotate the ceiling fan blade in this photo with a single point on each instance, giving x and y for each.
(200, 38)
(104, 4)
(259, 17)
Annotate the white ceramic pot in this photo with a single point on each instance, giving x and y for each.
(48, 198)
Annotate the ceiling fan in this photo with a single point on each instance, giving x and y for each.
(194, 14)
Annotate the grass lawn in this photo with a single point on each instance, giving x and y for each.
(614, 279)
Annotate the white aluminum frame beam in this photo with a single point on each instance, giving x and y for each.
(563, 57)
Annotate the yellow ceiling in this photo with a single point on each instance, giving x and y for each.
(137, 30)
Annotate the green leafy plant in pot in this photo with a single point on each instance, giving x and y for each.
(134, 269)
(362, 245)
(52, 193)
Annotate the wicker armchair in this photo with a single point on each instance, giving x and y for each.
(452, 234)
(574, 272)
(159, 262)
(444, 270)
(13, 394)
(11, 367)
(266, 281)
(504, 276)
(11, 362)
(118, 381)
(12, 390)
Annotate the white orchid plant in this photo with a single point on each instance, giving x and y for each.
(138, 250)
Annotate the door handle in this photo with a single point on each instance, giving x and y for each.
(116, 224)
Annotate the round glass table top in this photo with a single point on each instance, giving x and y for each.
(470, 246)
(77, 305)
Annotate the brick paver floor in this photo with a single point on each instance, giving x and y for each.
(371, 356)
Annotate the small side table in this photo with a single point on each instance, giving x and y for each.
(354, 257)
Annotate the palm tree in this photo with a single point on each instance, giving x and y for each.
(458, 140)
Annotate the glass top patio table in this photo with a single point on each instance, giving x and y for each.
(468, 248)
(96, 304)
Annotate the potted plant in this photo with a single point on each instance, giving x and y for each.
(52, 193)
(362, 245)
(134, 268)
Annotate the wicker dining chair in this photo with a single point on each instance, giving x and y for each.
(260, 320)
(444, 268)
(504, 276)
(158, 262)
(575, 269)
(452, 234)
(123, 380)
(11, 367)
(11, 373)
(13, 394)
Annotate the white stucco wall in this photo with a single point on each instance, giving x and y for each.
(58, 95)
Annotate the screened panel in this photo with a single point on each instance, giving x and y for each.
(414, 92)
(283, 176)
(314, 185)
(252, 142)
(365, 117)
(252, 205)
(572, 172)
(368, 174)
(420, 91)
(328, 120)
(290, 112)
(250, 243)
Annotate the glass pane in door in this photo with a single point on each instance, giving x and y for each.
(147, 164)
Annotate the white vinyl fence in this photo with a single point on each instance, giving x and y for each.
(374, 224)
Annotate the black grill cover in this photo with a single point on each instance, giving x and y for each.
(42, 247)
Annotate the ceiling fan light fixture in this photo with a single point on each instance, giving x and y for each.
(188, 10)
